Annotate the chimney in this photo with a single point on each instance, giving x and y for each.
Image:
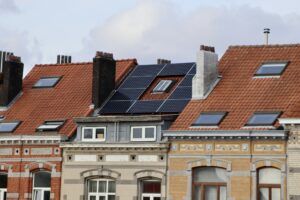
(104, 70)
(163, 61)
(267, 32)
(63, 59)
(10, 78)
(206, 76)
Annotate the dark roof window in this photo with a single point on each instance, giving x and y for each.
(210, 119)
(46, 82)
(271, 69)
(263, 119)
(163, 86)
(50, 126)
(8, 126)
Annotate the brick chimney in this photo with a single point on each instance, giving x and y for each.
(206, 76)
(10, 78)
(104, 70)
(64, 59)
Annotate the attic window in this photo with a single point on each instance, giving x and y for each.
(210, 119)
(46, 82)
(271, 69)
(263, 119)
(50, 126)
(8, 126)
(163, 86)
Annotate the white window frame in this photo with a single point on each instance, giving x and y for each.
(162, 86)
(94, 139)
(42, 189)
(99, 194)
(150, 195)
(2, 192)
(143, 138)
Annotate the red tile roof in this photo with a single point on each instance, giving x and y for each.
(241, 95)
(70, 98)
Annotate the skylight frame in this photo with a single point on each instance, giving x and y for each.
(163, 86)
(50, 125)
(58, 78)
(270, 63)
(208, 113)
(17, 124)
(277, 113)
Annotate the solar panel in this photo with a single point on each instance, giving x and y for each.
(182, 93)
(115, 107)
(145, 106)
(147, 70)
(127, 94)
(173, 106)
(137, 82)
(187, 81)
(193, 70)
(176, 69)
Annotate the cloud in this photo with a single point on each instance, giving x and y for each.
(8, 6)
(153, 29)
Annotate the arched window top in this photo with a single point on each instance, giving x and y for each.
(209, 174)
(269, 176)
(42, 179)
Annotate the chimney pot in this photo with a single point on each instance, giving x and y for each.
(163, 61)
(100, 54)
(63, 59)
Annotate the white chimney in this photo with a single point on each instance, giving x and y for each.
(206, 77)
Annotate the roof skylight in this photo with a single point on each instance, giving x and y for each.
(46, 82)
(263, 119)
(210, 119)
(271, 69)
(163, 86)
(50, 126)
(8, 126)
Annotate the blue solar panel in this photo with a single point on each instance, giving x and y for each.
(147, 70)
(182, 93)
(187, 81)
(115, 107)
(127, 94)
(176, 69)
(145, 106)
(193, 70)
(173, 106)
(137, 82)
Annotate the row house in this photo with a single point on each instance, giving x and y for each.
(36, 115)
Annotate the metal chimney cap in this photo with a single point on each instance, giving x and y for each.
(266, 30)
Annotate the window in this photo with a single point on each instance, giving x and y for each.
(263, 119)
(50, 126)
(93, 133)
(46, 82)
(41, 185)
(210, 119)
(3, 186)
(269, 183)
(150, 190)
(143, 133)
(163, 86)
(271, 69)
(8, 126)
(101, 189)
(209, 183)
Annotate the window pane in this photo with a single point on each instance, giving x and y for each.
(8, 126)
(100, 133)
(223, 193)
(269, 176)
(209, 119)
(47, 82)
(271, 69)
(146, 198)
(210, 174)
(197, 192)
(101, 197)
(137, 132)
(211, 193)
(151, 187)
(263, 119)
(111, 187)
(88, 133)
(111, 197)
(3, 180)
(92, 198)
(92, 186)
(264, 194)
(46, 195)
(42, 179)
(162, 86)
(102, 186)
(37, 195)
(275, 193)
(149, 133)
(156, 198)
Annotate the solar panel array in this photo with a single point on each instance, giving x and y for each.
(126, 98)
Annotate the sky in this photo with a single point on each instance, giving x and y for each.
(143, 29)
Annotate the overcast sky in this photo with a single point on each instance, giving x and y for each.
(38, 30)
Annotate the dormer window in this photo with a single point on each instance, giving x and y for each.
(50, 126)
(96, 134)
(163, 86)
(143, 133)
(46, 82)
(210, 119)
(8, 127)
(263, 119)
(271, 69)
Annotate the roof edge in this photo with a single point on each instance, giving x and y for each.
(264, 46)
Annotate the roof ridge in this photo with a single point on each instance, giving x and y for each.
(264, 45)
